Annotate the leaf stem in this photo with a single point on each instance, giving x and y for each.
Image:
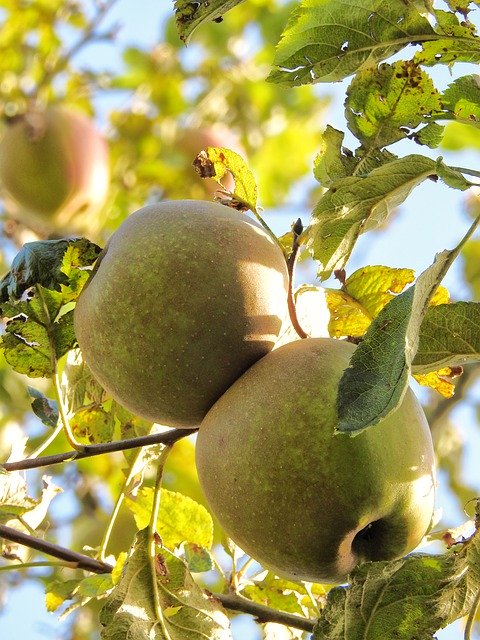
(152, 539)
(292, 310)
(63, 413)
(263, 613)
(167, 437)
(78, 560)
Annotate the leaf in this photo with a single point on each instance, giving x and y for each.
(441, 381)
(214, 162)
(451, 177)
(93, 425)
(362, 297)
(448, 337)
(357, 204)
(456, 42)
(181, 519)
(44, 408)
(198, 558)
(462, 98)
(48, 263)
(328, 40)
(283, 594)
(384, 103)
(57, 592)
(189, 15)
(376, 380)
(431, 135)
(14, 500)
(408, 598)
(333, 162)
(187, 611)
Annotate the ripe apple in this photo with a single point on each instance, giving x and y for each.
(185, 297)
(54, 170)
(304, 502)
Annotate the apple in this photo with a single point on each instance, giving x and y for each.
(185, 297)
(54, 170)
(306, 503)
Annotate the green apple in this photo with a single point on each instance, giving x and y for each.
(185, 297)
(304, 502)
(54, 170)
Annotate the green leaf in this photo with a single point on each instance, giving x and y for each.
(95, 586)
(93, 425)
(198, 558)
(328, 40)
(449, 336)
(189, 15)
(48, 263)
(357, 204)
(181, 519)
(333, 161)
(462, 98)
(187, 612)
(384, 103)
(430, 135)
(452, 177)
(456, 42)
(214, 162)
(44, 408)
(284, 595)
(376, 381)
(408, 598)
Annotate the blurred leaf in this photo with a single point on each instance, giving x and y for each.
(14, 500)
(328, 40)
(57, 591)
(189, 15)
(44, 408)
(198, 558)
(181, 519)
(187, 612)
(93, 425)
(384, 103)
(357, 204)
(404, 599)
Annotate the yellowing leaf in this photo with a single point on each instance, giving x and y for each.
(181, 519)
(441, 380)
(441, 296)
(347, 316)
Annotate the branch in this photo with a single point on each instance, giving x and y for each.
(79, 560)
(297, 230)
(168, 437)
(262, 613)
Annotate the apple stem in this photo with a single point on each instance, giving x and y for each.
(292, 310)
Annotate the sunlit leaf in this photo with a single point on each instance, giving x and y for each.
(189, 15)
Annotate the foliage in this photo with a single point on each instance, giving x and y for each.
(252, 69)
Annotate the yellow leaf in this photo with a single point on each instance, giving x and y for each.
(440, 380)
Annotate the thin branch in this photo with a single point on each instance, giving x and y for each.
(297, 230)
(262, 613)
(152, 539)
(167, 437)
(78, 560)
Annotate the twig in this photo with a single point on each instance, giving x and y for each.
(262, 613)
(297, 230)
(152, 539)
(167, 437)
(78, 560)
